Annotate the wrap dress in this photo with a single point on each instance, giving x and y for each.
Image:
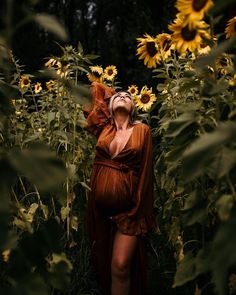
(121, 195)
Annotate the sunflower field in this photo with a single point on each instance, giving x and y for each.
(46, 156)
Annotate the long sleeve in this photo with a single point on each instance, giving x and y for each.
(140, 219)
(97, 113)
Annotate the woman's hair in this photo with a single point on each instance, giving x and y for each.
(133, 114)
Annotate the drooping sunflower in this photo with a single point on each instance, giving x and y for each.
(133, 89)
(51, 62)
(50, 85)
(145, 99)
(193, 10)
(24, 81)
(96, 74)
(110, 72)
(223, 64)
(230, 30)
(165, 46)
(37, 87)
(62, 69)
(185, 38)
(148, 50)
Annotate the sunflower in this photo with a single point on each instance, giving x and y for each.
(184, 37)
(232, 81)
(62, 69)
(37, 87)
(204, 49)
(223, 64)
(148, 50)
(109, 73)
(50, 85)
(51, 62)
(193, 10)
(5, 255)
(230, 30)
(165, 46)
(24, 81)
(145, 99)
(133, 89)
(96, 74)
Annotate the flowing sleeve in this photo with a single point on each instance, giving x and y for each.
(140, 219)
(97, 113)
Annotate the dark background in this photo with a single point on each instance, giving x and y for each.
(108, 28)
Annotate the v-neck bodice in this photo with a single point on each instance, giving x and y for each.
(123, 145)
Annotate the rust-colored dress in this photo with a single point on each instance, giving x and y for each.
(121, 191)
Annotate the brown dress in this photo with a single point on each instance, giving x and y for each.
(121, 191)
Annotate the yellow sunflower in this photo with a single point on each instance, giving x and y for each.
(109, 73)
(165, 46)
(145, 99)
(50, 85)
(185, 38)
(133, 89)
(204, 49)
(223, 64)
(193, 10)
(149, 51)
(62, 69)
(51, 62)
(37, 87)
(230, 30)
(96, 74)
(5, 255)
(232, 81)
(24, 81)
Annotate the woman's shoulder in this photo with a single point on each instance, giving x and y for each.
(142, 126)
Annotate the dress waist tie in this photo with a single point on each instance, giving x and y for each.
(119, 166)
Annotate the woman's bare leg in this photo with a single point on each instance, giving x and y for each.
(123, 250)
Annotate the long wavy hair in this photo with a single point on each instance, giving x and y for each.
(133, 115)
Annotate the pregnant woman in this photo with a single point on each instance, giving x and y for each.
(120, 203)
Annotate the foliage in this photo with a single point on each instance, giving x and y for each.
(195, 161)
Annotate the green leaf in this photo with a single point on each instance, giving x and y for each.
(195, 208)
(223, 255)
(178, 125)
(65, 211)
(224, 206)
(186, 270)
(51, 24)
(59, 271)
(202, 150)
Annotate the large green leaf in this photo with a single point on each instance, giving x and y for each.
(202, 151)
(223, 255)
(40, 165)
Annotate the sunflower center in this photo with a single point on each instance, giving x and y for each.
(199, 4)
(187, 34)
(110, 72)
(145, 98)
(151, 48)
(223, 62)
(96, 74)
(132, 90)
(25, 82)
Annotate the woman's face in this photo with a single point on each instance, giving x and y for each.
(123, 100)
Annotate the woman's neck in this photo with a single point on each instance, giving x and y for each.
(121, 120)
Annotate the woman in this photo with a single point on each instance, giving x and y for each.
(120, 203)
